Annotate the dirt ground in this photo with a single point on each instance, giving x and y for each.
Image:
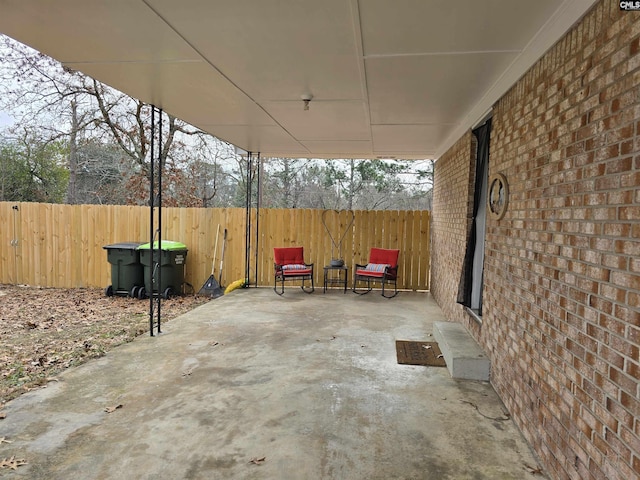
(45, 330)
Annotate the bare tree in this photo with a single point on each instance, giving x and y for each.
(350, 184)
(206, 170)
(67, 105)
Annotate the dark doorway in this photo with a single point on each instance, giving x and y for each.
(470, 287)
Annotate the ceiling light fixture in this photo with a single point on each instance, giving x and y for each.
(306, 98)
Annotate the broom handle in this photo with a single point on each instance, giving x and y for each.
(215, 251)
(224, 244)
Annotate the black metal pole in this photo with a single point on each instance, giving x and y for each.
(247, 238)
(258, 202)
(151, 220)
(159, 215)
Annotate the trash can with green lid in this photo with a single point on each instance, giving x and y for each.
(127, 276)
(171, 257)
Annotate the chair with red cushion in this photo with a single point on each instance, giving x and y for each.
(289, 264)
(382, 267)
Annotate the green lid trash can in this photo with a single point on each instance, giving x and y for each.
(127, 276)
(171, 258)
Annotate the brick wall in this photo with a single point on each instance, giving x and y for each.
(561, 317)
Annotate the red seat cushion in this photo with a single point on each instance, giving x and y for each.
(370, 273)
(292, 272)
(379, 259)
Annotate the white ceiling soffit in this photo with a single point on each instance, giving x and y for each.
(389, 78)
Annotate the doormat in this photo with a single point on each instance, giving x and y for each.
(419, 353)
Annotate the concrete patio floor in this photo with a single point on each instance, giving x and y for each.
(310, 383)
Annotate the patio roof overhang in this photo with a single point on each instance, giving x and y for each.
(401, 78)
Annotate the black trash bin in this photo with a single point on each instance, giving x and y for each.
(171, 257)
(127, 276)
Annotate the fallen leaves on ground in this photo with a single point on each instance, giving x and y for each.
(13, 463)
(533, 470)
(45, 330)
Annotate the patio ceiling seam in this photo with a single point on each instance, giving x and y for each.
(222, 74)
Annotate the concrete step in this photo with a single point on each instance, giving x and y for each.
(465, 359)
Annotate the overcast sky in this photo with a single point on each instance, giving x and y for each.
(5, 120)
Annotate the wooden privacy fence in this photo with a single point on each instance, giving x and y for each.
(52, 245)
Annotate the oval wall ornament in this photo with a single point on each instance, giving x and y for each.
(498, 198)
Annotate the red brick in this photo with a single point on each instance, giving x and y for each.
(608, 183)
(630, 402)
(630, 180)
(634, 300)
(605, 244)
(620, 135)
(627, 147)
(612, 293)
(615, 261)
(629, 213)
(601, 445)
(619, 165)
(616, 230)
(627, 383)
(620, 197)
(633, 370)
(628, 314)
(607, 153)
(612, 325)
(624, 416)
(598, 333)
(626, 280)
(594, 199)
(628, 247)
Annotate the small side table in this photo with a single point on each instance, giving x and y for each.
(334, 276)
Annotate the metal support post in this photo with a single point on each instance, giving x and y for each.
(155, 274)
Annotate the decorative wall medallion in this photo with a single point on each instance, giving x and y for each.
(498, 198)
